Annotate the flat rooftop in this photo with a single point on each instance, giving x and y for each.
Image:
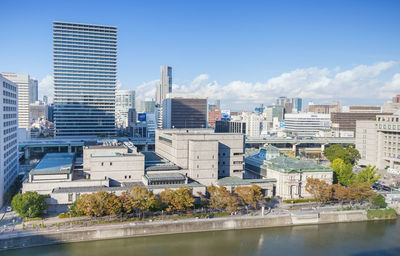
(55, 163)
(154, 162)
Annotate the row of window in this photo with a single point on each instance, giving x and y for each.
(72, 35)
(393, 119)
(9, 101)
(9, 145)
(389, 126)
(7, 108)
(68, 31)
(9, 123)
(12, 153)
(80, 72)
(9, 94)
(8, 116)
(9, 86)
(9, 137)
(9, 130)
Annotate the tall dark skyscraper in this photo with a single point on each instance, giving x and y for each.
(85, 73)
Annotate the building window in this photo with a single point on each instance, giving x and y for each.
(125, 176)
(197, 157)
(197, 175)
(129, 176)
(102, 164)
(69, 197)
(197, 166)
(77, 195)
(110, 163)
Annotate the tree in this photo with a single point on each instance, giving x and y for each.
(361, 191)
(127, 202)
(319, 189)
(342, 172)
(250, 196)
(368, 175)
(177, 200)
(349, 154)
(379, 202)
(143, 199)
(182, 199)
(340, 193)
(218, 196)
(112, 204)
(29, 204)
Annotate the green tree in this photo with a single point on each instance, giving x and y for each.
(342, 172)
(29, 204)
(349, 154)
(368, 175)
(379, 202)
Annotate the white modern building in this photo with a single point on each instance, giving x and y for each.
(27, 93)
(8, 135)
(85, 74)
(253, 124)
(307, 124)
(124, 100)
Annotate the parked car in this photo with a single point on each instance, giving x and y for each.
(9, 209)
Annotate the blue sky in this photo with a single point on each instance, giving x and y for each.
(244, 52)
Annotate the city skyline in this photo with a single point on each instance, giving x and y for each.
(256, 52)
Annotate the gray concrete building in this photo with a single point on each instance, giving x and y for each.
(206, 156)
(379, 141)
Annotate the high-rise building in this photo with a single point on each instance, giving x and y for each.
(124, 100)
(8, 135)
(33, 91)
(164, 87)
(253, 124)
(85, 70)
(297, 104)
(165, 84)
(184, 111)
(25, 96)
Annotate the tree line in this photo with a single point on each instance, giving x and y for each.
(140, 200)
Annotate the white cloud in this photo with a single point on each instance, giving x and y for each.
(46, 87)
(361, 82)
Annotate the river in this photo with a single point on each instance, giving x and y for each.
(362, 238)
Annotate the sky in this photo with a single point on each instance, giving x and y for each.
(242, 52)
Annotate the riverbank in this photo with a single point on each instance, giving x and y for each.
(112, 231)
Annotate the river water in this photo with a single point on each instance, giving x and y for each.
(362, 238)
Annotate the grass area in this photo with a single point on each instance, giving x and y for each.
(296, 201)
(32, 219)
(382, 214)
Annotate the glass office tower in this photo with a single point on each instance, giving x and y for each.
(85, 70)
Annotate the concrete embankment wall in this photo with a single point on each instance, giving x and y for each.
(19, 240)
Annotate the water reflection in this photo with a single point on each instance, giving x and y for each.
(363, 238)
